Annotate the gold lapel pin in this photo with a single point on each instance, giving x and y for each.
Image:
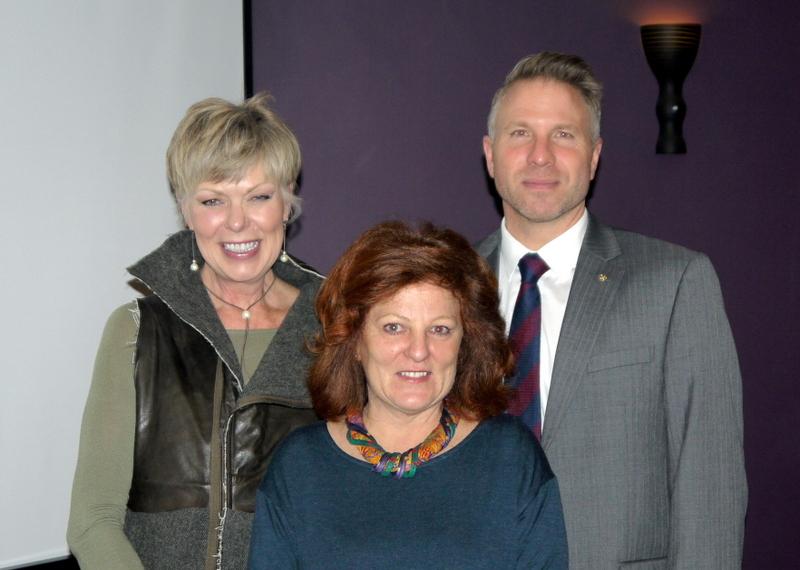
(602, 278)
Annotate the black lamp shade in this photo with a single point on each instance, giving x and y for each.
(670, 50)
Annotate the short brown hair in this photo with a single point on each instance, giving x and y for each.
(566, 68)
(219, 141)
(381, 262)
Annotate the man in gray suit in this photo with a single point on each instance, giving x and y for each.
(638, 376)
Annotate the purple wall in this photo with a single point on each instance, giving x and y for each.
(389, 103)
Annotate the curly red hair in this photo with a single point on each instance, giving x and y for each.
(381, 262)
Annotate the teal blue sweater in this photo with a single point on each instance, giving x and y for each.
(491, 502)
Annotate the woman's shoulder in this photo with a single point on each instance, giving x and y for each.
(305, 435)
(123, 322)
(301, 444)
(125, 312)
(508, 426)
(298, 459)
(299, 274)
(513, 443)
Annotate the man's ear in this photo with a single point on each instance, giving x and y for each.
(487, 152)
(598, 146)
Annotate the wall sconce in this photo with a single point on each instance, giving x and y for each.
(670, 50)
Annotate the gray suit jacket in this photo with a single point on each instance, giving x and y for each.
(644, 417)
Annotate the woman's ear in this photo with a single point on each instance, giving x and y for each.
(185, 213)
(287, 204)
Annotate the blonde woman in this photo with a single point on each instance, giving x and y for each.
(195, 383)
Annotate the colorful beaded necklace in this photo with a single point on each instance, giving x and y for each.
(401, 464)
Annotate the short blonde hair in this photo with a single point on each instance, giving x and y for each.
(220, 141)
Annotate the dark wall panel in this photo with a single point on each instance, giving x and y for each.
(389, 102)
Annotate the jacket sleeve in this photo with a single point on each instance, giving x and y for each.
(105, 459)
(704, 423)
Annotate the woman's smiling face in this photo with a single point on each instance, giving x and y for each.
(409, 350)
(238, 225)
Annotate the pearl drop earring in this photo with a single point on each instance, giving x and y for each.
(284, 256)
(193, 266)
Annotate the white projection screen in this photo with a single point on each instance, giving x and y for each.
(90, 92)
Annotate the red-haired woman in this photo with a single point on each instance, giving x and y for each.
(416, 465)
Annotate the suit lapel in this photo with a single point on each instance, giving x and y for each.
(598, 274)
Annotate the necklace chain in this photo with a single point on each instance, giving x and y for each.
(400, 464)
(246, 315)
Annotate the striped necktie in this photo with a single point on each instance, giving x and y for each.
(525, 332)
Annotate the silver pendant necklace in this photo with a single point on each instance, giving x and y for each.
(246, 315)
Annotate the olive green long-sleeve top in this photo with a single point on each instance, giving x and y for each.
(105, 459)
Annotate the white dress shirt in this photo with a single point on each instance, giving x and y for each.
(561, 255)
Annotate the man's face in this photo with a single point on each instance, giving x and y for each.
(542, 157)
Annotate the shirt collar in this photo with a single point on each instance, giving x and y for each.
(560, 253)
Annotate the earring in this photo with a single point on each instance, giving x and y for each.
(284, 256)
(193, 266)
